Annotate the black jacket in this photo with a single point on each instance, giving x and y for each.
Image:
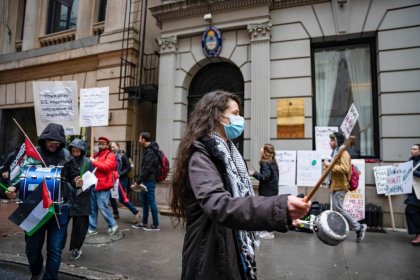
(61, 157)
(124, 166)
(150, 166)
(213, 216)
(79, 205)
(412, 198)
(268, 178)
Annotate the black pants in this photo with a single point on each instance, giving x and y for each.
(78, 231)
(412, 214)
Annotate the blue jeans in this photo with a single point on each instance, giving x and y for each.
(337, 201)
(149, 200)
(99, 200)
(56, 240)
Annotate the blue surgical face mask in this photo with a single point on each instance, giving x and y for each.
(235, 128)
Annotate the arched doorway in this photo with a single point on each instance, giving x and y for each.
(214, 76)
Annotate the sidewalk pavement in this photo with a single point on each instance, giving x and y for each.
(137, 254)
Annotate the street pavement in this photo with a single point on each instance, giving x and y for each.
(137, 254)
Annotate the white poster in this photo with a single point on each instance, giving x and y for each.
(354, 202)
(322, 140)
(349, 121)
(94, 106)
(309, 168)
(381, 173)
(286, 161)
(56, 102)
(400, 178)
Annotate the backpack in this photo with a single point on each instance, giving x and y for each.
(164, 166)
(354, 178)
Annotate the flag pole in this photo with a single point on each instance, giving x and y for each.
(4, 187)
(26, 136)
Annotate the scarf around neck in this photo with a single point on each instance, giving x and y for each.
(241, 186)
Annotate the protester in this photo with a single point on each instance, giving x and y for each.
(105, 163)
(79, 201)
(51, 149)
(338, 182)
(412, 210)
(213, 195)
(150, 168)
(268, 178)
(123, 168)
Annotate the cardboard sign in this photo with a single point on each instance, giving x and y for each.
(309, 168)
(322, 140)
(349, 121)
(400, 178)
(354, 202)
(94, 106)
(286, 161)
(381, 174)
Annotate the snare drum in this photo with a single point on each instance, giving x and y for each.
(33, 175)
(331, 227)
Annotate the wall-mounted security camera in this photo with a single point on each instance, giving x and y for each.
(208, 17)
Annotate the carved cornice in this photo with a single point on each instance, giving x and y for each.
(167, 44)
(187, 8)
(260, 31)
(280, 4)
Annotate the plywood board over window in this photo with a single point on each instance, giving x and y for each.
(291, 118)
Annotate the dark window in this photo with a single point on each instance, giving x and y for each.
(62, 15)
(344, 74)
(102, 10)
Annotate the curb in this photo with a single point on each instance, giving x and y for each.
(71, 270)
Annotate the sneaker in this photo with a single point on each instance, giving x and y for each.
(113, 230)
(75, 254)
(267, 235)
(139, 225)
(361, 233)
(152, 228)
(92, 232)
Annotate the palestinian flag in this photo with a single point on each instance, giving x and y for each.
(27, 155)
(35, 211)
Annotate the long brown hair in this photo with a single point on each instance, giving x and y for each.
(203, 120)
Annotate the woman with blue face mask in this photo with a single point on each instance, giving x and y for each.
(212, 195)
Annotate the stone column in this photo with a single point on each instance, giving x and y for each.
(165, 120)
(260, 87)
(30, 34)
(84, 19)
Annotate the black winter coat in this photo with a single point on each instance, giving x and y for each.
(214, 216)
(150, 166)
(412, 198)
(268, 178)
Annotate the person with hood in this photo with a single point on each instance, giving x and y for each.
(338, 182)
(51, 149)
(79, 201)
(150, 168)
(106, 165)
(212, 194)
(268, 178)
(412, 210)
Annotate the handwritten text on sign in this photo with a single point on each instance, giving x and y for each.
(286, 161)
(309, 168)
(400, 178)
(381, 174)
(56, 105)
(354, 202)
(94, 106)
(349, 121)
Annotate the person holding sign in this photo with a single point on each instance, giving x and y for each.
(412, 210)
(212, 194)
(79, 201)
(338, 182)
(268, 178)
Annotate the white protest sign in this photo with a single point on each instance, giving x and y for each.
(56, 102)
(322, 140)
(381, 173)
(94, 106)
(89, 179)
(354, 202)
(400, 178)
(349, 121)
(286, 161)
(309, 168)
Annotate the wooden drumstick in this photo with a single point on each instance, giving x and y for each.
(334, 161)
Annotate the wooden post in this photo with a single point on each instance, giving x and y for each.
(391, 211)
(92, 137)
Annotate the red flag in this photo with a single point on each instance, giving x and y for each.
(31, 151)
(46, 199)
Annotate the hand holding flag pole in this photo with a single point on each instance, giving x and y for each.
(29, 140)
